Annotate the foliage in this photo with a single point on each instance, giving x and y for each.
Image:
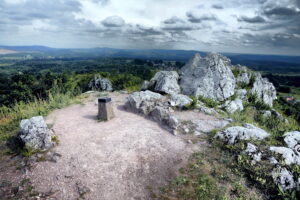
(11, 116)
(208, 102)
(257, 103)
(192, 105)
(209, 175)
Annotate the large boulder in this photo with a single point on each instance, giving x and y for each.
(100, 84)
(165, 82)
(246, 132)
(179, 100)
(35, 134)
(264, 90)
(163, 116)
(209, 77)
(142, 102)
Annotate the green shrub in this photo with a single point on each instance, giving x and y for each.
(208, 102)
(192, 105)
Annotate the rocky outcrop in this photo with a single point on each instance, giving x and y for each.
(290, 154)
(292, 139)
(162, 115)
(142, 102)
(241, 94)
(165, 82)
(100, 84)
(283, 178)
(233, 106)
(233, 134)
(253, 152)
(209, 77)
(179, 100)
(264, 90)
(205, 126)
(243, 78)
(35, 134)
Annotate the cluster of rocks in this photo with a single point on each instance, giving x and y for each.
(100, 84)
(153, 105)
(212, 77)
(290, 154)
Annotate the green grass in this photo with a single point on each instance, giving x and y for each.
(209, 175)
(208, 102)
(11, 117)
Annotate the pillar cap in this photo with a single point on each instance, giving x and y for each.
(104, 99)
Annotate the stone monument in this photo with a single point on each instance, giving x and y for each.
(105, 109)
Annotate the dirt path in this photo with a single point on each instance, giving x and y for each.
(124, 158)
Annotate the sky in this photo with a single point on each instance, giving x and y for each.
(238, 26)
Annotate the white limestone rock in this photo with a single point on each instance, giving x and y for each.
(292, 139)
(253, 152)
(35, 134)
(289, 156)
(165, 82)
(264, 90)
(242, 94)
(233, 134)
(233, 106)
(179, 100)
(142, 102)
(100, 84)
(283, 178)
(210, 77)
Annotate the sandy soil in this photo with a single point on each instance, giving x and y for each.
(124, 158)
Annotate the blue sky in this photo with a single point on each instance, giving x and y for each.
(242, 26)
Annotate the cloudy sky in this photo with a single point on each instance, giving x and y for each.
(242, 26)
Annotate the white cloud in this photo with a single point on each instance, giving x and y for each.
(191, 24)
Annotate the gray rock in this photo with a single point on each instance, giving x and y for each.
(292, 139)
(35, 134)
(289, 156)
(283, 178)
(273, 114)
(233, 106)
(243, 78)
(210, 77)
(253, 152)
(163, 116)
(159, 114)
(100, 84)
(241, 93)
(209, 111)
(267, 113)
(142, 102)
(146, 85)
(205, 126)
(264, 90)
(232, 134)
(273, 161)
(173, 122)
(165, 82)
(179, 100)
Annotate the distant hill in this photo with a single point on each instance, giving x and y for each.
(273, 63)
(6, 51)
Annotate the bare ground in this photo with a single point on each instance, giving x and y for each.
(128, 157)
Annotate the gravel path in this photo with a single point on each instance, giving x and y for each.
(124, 158)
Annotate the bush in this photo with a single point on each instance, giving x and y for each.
(208, 102)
